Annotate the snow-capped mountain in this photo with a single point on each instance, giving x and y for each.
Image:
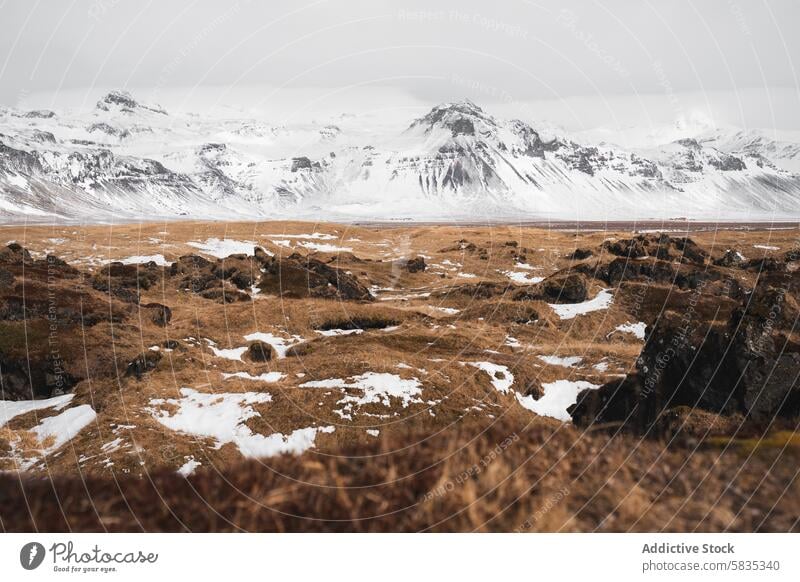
(128, 160)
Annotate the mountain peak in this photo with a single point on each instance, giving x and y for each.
(123, 101)
(460, 117)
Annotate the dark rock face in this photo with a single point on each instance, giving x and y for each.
(143, 364)
(240, 270)
(580, 254)
(29, 379)
(125, 281)
(217, 281)
(564, 288)
(158, 313)
(661, 246)
(299, 276)
(259, 352)
(6, 278)
(748, 366)
(731, 258)
(416, 265)
(15, 254)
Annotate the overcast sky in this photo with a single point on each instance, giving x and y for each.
(737, 57)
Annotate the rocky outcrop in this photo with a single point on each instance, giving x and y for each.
(259, 352)
(747, 366)
(416, 265)
(302, 276)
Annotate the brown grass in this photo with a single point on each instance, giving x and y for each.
(507, 478)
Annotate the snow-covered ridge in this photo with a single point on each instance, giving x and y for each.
(125, 159)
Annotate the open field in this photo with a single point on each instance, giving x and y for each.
(289, 376)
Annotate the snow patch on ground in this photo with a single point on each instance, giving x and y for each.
(375, 387)
(221, 248)
(522, 278)
(229, 354)
(557, 397)
(222, 417)
(9, 409)
(502, 379)
(637, 329)
(570, 310)
(567, 361)
(189, 467)
(335, 332)
(447, 310)
(141, 259)
(325, 248)
(767, 247)
(55, 431)
(313, 235)
(265, 377)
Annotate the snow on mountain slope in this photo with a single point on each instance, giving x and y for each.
(128, 160)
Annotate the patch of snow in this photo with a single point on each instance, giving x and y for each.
(221, 248)
(373, 432)
(512, 342)
(601, 366)
(141, 259)
(265, 377)
(335, 332)
(229, 354)
(447, 310)
(313, 236)
(189, 467)
(375, 388)
(502, 379)
(63, 427)
(522, 278)
(637, 329)
(222, 417)
(324, 247)
(466, 275)
(767, 247)
(112, 446)
(567, 361)
(17, 180)
(557, 397)
(569, 310)
(9, 409)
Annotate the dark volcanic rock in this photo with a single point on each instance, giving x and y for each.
(260, 352)
(747, 366)
(25, 378)
(6, 278)
(158, 313)
(731, 258)
(564, 288)
(661, 246)
(580, 254)
(416, 265)
(300, 276)
(125, 281)
(142, 364)
(15, 254)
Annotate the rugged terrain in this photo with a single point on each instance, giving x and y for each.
(299, 376)
(126, 160)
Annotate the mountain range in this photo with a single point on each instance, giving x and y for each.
(126, 160)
